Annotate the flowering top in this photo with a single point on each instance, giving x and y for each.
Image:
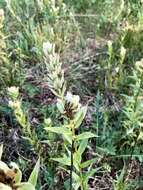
(70, 105)
(13, 92)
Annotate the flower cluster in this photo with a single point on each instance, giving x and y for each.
(54, 68)
(15, 104)
(70, 106)
(13, 92)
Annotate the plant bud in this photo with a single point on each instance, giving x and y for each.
(13, 92)
(47, 48)
(122, 53)
(48, 122)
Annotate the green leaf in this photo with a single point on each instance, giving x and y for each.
(77, 180)
(122, 174)
(80, 150)
(82, 146)
(88, 162)
(76, 177)
(76, 161)
(64, 161)
(58, 130)
(18, 175)
(86, 177)
(68, 137)
(85, 135)
(80, 116)
(34, 175)
(61, 130)
(26, 186)
(89, 174)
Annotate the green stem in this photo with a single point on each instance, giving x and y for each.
(82, 187)
(71, 169)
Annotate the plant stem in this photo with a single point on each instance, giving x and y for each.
(71, 169)
(82, 187)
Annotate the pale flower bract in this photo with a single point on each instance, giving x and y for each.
(13, 92)
(4, 187)
(47, 48)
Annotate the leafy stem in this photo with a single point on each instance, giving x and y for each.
(71, 168)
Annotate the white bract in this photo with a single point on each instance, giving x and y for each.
(13, 92)
(4, 187)
(48, 121)
(73, 100)
(47, 48)
(139, 65)
(123, 51)
(1, 16)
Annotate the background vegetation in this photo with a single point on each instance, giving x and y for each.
(52, 51)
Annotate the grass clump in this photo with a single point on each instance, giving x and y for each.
(71, 93)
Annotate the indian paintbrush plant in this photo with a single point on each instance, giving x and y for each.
(4, 78)
(119, 68)
(10, 70)
(11, 175)
(132, 111)
(16, 104)
(73, 113)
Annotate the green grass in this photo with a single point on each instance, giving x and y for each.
(100, 46)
